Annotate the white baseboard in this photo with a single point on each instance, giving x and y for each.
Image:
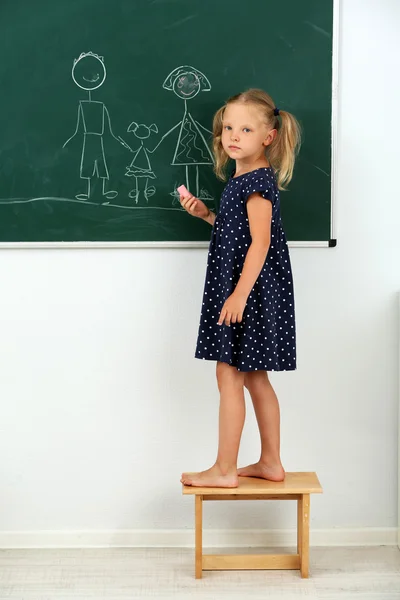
(184, 538)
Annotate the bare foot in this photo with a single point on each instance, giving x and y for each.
(211, 478)
(263, 471)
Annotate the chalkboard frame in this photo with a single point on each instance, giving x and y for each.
(332, 242)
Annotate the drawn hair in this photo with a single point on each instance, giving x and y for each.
(281, 153)
(133, 127)
(168, 84)
(83, 54)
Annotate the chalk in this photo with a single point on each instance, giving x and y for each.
(183, 191)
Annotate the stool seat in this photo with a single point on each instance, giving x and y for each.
(296, 486)
(294, 483)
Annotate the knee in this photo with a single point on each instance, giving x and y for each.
(253, 380)
(228, 375)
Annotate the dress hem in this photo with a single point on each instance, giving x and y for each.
(262, 368)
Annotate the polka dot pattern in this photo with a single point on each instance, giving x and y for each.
(266, 337)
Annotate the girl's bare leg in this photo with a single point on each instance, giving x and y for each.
(266, 408)
(232, 413)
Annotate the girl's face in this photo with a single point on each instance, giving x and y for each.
(187, 85)
(245, 134)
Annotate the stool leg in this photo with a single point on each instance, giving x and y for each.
(199, 536)
(299, 522)
(303, 532)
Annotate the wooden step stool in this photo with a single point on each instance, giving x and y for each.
(296, 486)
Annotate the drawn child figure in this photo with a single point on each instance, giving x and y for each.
(140, 167)
(89, 73)
(247, 322)
(192, 150)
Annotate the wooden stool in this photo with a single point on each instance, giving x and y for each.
(296, 486)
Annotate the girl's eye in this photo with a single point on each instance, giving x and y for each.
(246, 129)
(228, 127)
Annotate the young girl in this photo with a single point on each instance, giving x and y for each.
(247, 321)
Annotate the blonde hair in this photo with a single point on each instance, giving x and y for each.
(281, 153)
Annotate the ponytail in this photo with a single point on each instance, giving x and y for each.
(221, 157)
(285, 147)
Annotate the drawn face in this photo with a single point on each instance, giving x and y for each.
(142, 132)
(187, 85)
(244, 132)
(89, 72)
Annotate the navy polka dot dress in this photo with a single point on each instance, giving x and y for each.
(266, 337)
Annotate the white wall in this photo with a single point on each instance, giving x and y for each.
(103, 404)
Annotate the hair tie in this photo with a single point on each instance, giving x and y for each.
(276, 112)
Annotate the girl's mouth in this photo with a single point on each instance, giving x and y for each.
(93, 80)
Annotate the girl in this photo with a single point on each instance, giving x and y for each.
(247, 321)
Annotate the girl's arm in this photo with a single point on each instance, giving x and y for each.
(210, 218)
(259, 211)
(163, 138)
(205, 128)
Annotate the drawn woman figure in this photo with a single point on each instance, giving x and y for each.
(192, 149)
(89, 73)
(140, 167)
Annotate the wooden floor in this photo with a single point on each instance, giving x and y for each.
(369, 573)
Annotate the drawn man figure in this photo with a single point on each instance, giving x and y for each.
(89, 73)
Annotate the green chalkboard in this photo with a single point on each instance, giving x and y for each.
(106, 107)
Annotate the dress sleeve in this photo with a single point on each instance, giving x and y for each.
(262, 183)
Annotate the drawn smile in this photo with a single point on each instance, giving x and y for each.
(187, 94)
(93, 80)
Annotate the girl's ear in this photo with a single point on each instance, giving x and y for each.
(133, 126)
(270, 137)
(154, 128)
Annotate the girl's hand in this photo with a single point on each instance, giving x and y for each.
(194, 206)
(232, 310)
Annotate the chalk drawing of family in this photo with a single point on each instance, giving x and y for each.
(93, 120)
